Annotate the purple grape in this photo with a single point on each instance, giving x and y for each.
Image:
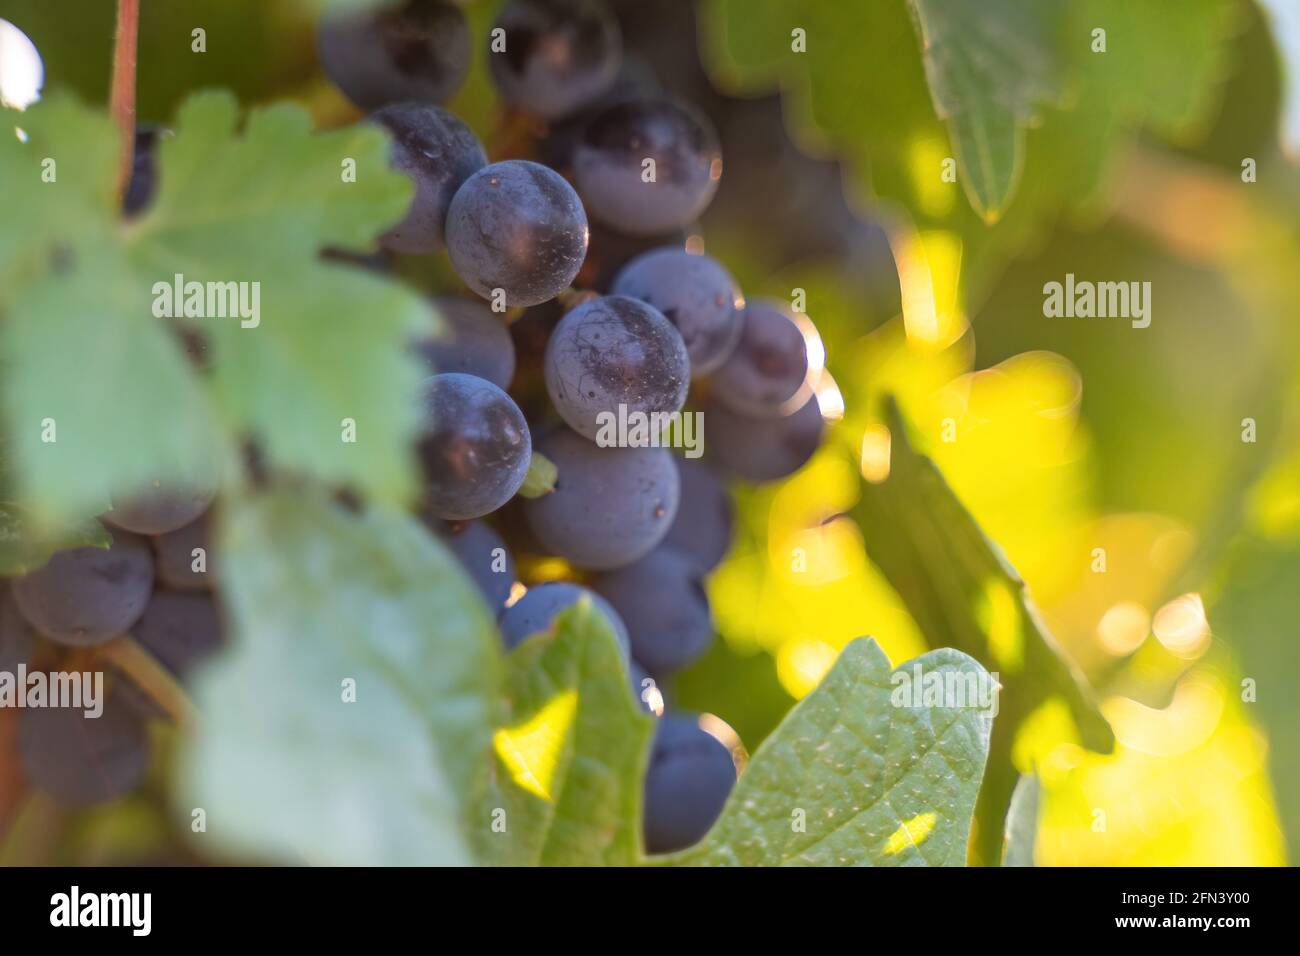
(610, 352)
(705, 518)
(16, 635)
(559, 56)
(762, 449)
(159, 508)
(662, 601)
(485, 558)
(537, 609)
(174, 557)
(438, 152)
(475, 446)
(88, 595)
(687, 783)
(767, 374)
(611, 168)
(517, 227)
(610, 506)
(695, 293)
(473, 340)
(418, 50)
(81, 761)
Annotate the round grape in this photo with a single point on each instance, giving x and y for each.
(695, 293)
(648, 166)
(767, 375)
(537, 609)
(705, 517)
(559, 55)
(762, 449)
(610, 506)
(475, 447)
(175, 561)
(181, 629)
(438, 152)
(487, 561)
(418, 50)
(159, 508)
(662, 601)
(687, 783)
(88, 595)
(81, 761)
(473, 340)
(610, 352)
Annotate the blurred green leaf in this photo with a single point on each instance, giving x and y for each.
(850, 778)
(282, 764)
(1021, 832)
(571, 753)
(24, 548)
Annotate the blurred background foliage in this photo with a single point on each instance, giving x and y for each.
(1061, 436)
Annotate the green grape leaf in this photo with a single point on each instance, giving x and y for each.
(1021, 834)
(857, 775)
(24, 548)
(989, 65)
(103, 397)
(571, 753)
(284, 761)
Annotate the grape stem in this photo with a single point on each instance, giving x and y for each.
(122, 97)
(155, 680)
(540, 479)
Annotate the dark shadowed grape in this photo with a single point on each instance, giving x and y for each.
(762, 449)
(610, 352)
(159, 508)
(175, 561)
(438, 152)
(475, 446)
(518, 227)
(559, 55)
(620, 184)
(87, 595)
(418, 50)
(537, 609)
(16, 636)
(484, 556)
(81, 761)
(662, 601)
(696, 294)
(609, 250)
(610, 506)
(181, 629)
(473, 340)
(705, 517)
(767, 373)
(689, 778)
(143, 184)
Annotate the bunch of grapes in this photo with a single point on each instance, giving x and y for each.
(587, 297)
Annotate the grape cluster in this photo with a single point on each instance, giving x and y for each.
(587, 299)
(589, 306)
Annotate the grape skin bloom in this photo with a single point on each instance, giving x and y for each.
(610, 352)
(519, 227)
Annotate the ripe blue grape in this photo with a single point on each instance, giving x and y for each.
(518, 227)
(486, 559)
(695, 293)
(181, 629)
(662, 601)
(614, 351)
(81, 761)
(689, 778)
(438, 152)
(622, 187)
(473, 340)
(705, 518)
(175, 561)
(475, 446)
(159, 507)
(16, 636)
(767, 374)
(610, 506)
(537, 609)
(88, 595)
(418, 50)
(559, 55)
(762, 449)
